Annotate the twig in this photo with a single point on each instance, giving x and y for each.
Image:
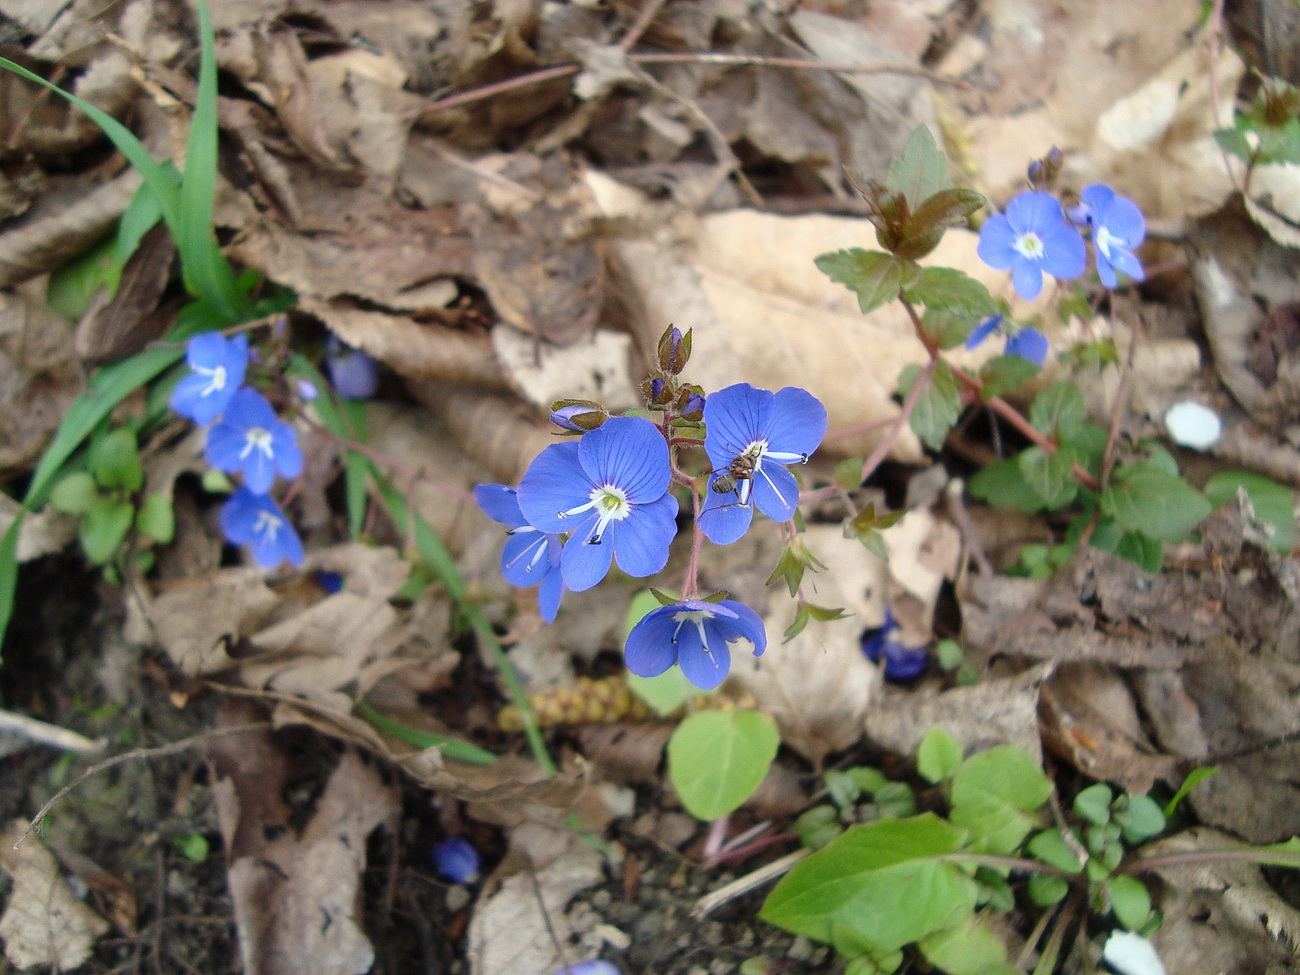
(48, 734)
(957, 508)
(175, 747)
(643, 21)
(709, 903)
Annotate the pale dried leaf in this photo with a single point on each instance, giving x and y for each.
(819, 686)
(43, 533)
(39, 378)
(197, 620)
(595, 367)
(44, 923)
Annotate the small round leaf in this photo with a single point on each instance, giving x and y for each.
(716, 759)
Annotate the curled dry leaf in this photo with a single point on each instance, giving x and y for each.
(819, 685)
(593, 367)
(43, 923)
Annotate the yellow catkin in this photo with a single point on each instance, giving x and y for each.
(606, 700)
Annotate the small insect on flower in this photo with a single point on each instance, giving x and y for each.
(738, 476)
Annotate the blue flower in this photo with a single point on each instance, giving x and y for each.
(694, 634)
(750, 434)
(217, 366)
(252, 439)
(355, 374)
(1031, 239)
(610, 491)
(249, 518)
(901, 662)
(595, 966)
(1028, 343)
(456, 860)
(530, 556)
(1117, 227)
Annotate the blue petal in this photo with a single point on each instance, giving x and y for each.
(722, 520)
(1123, 260)
(747, 624)
(1104, 270)
(548, 597)
(524, 560)
(650, 649)
(500, 503)
(248, 408)
(554, 482)
(1098, 197)
(1028, 343)
(734, 418)
(585, 565)
(1026, 278)
(982, 331)
(798, 421)
(1064, 253)
(1037, 212)
(629, 452)
(706, 669)
(285, 450)
(259, 471)
(776, 492)
(642, 539)
(997, 241)
(1125, 221)
(223, 446)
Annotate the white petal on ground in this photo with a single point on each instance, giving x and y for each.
(1193, 425)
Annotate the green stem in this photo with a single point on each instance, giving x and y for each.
(461, 751)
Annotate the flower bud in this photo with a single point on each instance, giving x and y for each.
(578, 415)
(690, 403)
(307, 391)
(658, 391)
(456, 860)
(593, 967)
(354, 373)
(674, 350)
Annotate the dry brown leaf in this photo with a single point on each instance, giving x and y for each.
(593, 367)
(117, 327)
(44, 923)
(39, 378)
(819, 685)
(43, 533)
(997, 711)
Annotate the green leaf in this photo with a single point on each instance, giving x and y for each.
(994, 794)
(115, 461)
(938, 756)
(1093, 803)
(944, 209)
(1129, 901)
(104, 528)
(937, 406)
(968, 948)
(156, 520)
(1143, 498)
(877, 277)
(1273, 503)
(716, 759)
(1003, 484)
(356, 466)
(949, 654)
(1046, 889)
(1050, 848)
(920, 172)
(1050, 476)
(73, 286)
(74, 493)
(806, 613)
(881, 882)
(1194, 778)
(1139, 817)
(1005, 373)
(817, 827)
(948, 328)
(948, 289)
(1235, 142)
(1059, 410)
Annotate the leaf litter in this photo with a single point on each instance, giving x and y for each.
(499, 248)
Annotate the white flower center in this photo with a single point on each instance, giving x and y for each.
(1030, 245)
(259, 439)
(1104, 240)
(611, 504)
(216, 380)
(268, 525)
(696, 617)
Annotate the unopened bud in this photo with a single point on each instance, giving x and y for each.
(578, 415)
(456, 860)
(674, 350)
(658, 391)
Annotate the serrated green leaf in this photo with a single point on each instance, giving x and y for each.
(1049, 476)
(948, 328)
(1059, 410)
(74, 493)
(1003, 484)
(937, 406)
(948, 289)
(875, 276)
(881, 882)
(1093, 803)
(115, 461)
(716, 759)
(1143, 498)
(920, 171)
(156, 519)
(1005, 373)
(938, 756)
(944, 209)
(1129, 901)
(968, 948)
(104, 528)
(994, 795)
(1273, 503)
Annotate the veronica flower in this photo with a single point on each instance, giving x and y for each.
(355, 374)
(217, 367)
(750, 434)
(254, 519)
(609, 490)
(1117, 227)
(530, 556)
(1031, 239)
(250, 438)
(1028, 343)
(901, 662)
(696, 635)
(456, 859)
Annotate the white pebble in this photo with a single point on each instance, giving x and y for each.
(1193, 425)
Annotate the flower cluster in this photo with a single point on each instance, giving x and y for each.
(585, 504)
(245, 437)
(1035, 237)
